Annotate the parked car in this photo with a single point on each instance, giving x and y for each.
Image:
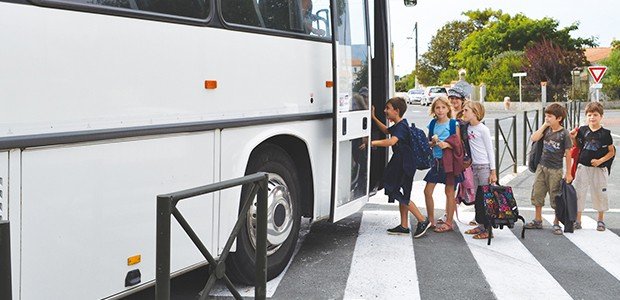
(432, 92)
(415, 95)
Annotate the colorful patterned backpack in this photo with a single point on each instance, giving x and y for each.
(496, 207)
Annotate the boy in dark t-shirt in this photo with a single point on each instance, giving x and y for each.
(595, 156)
(399, 170)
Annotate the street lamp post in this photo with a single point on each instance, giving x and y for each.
(574, 73)
(415, 28)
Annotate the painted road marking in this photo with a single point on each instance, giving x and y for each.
(379, 268)
(506, 252)
(603, 247)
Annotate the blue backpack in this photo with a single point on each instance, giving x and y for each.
(422, 152)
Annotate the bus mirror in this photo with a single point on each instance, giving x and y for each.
(411, 3)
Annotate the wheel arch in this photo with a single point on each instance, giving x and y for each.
(297, 149)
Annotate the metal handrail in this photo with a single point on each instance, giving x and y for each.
(512, 133)
(166, 206)
(5, 260)
(528, 128)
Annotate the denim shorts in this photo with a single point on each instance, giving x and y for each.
(437, 174)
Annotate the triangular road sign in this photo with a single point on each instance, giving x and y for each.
(597, 72)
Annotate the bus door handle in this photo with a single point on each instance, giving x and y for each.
(364, 123)
(344, 126)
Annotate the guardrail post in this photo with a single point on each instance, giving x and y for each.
(514, 142)
(497, 165)
(260, 291)
(162, 244)
(5, 260)
(526, 121)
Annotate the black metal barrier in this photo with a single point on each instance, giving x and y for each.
(166, 206)
(529, 127)
(512, 150)
(5, 260)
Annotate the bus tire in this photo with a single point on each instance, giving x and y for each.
(283, 176)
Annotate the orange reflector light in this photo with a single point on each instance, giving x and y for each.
(210, 84)
(329, 83)
(132, 260)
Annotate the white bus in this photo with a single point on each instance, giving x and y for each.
(104, 104)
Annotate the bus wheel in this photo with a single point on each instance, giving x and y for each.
(283, 217)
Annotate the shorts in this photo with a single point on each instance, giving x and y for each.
(437, 175)
(401, 193)
(547, 182)
(594, 179)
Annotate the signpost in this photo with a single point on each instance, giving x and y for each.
(597, 73)
(520, 93)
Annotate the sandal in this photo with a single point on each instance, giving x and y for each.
(475, 230)
(443, 228)
(600, 226)
(482, 236)
(473, 223)
(557, 230)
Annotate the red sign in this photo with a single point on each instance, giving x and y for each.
(597, 72)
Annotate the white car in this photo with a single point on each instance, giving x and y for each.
(432, 92)
(415, 95)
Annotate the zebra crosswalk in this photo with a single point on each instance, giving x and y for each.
(357, 259)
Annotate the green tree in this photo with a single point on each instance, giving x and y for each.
(444, 44)
(611, 81)
(498, 77)
(504, 33)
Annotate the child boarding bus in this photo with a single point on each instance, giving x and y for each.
(104, 104)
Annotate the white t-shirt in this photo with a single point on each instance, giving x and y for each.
(480, 145)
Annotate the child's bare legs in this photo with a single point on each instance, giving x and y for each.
(601, 216)
(428, 198)
(450, 204)
(579, 216)
(538, 213)
(404, 221)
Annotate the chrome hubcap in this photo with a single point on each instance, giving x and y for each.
(279, 215)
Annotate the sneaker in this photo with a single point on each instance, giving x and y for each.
(600, 226)
(535, 224)
(421, 228)
(398, 230)
(577, 225)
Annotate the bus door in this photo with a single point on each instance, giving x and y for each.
(352, 122)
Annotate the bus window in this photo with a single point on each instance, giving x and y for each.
(198, 9)
(286, 15)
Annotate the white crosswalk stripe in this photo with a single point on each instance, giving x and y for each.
(506, 252)
(602, 247)
(383, 265)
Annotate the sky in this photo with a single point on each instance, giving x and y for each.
(595, 17)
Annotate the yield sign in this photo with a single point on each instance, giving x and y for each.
(597, 72)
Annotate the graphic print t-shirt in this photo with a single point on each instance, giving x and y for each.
(594, 145)
(554, 146)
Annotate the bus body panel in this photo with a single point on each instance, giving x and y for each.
(67, 71)
(88, 207)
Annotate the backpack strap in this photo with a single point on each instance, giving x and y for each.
(523, 229)
(453, 124)
(431, 128)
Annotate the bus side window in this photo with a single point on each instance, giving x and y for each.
(243, 12)
(198, 9)
(281, 14)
